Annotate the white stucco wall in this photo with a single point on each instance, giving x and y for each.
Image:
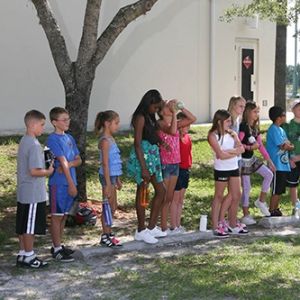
(168, 49)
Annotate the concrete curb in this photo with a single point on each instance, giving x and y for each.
(130, 245)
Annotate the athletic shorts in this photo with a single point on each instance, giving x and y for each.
(183, 179)
(225, 175)
(293, 176)
(279, 182)
(31, 218)
(169, 170)
(113, 180)
(60, 200)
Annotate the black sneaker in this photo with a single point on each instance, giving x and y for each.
(68, 251)
(62, 256)
(34, 262)
(19, 260)
(106, 240)
(276, 213)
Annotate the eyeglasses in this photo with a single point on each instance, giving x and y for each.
(64, 120)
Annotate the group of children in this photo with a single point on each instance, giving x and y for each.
(161, 156)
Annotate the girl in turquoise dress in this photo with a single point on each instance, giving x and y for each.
(144, 164)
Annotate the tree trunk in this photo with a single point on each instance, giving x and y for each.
(280, 67)
(77, 103)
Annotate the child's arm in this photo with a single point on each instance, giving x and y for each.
(104, 147)
(220, 154)
(287, 145)
(265, 154)
(72, 189)
(38, 172)
(76, 162)
(118, 183)
(170, 129)
(138, 134)
(190, 118)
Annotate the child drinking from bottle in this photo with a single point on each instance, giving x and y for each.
(106, 125)
(251, 139)
(170, 155)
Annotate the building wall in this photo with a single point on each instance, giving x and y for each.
(169, 49)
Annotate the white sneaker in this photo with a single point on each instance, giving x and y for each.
(174, 231)
(157, 232)
(248, 220)
(263, 208)
(181, 229)
(237, 230)
(145, 236)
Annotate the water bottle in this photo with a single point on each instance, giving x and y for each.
(203, 223)
(179, 105)
(297, 208)
(106, 211)
(144, 195)
(49, 157)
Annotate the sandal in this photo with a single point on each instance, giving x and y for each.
(114, 240)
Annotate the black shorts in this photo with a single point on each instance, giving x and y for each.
(31, 218)
(183, 179)
(293, 176)
(225, 175)
(279, 182)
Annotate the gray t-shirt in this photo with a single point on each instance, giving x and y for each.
(30, 189)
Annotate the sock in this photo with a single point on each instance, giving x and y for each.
(57, 248)
(29, 256)
(21, 252)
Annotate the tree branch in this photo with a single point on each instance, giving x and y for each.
(56, 40)
(124, 16)
(89, 36)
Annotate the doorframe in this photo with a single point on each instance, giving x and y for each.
(247, 43)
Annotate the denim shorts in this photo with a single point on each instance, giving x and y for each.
(113, 180)
(169, 170)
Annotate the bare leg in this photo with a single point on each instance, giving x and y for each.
(157, 201)
(274, 203)
(140, 210)
(56, 229)
(170, 200)
(28, 240)
(235, 191)
(294, 195)
(217, 202)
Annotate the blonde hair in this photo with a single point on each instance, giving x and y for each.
(232, 103)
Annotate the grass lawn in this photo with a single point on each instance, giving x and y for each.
(264, 269)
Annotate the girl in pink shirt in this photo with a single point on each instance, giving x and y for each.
(170, 153)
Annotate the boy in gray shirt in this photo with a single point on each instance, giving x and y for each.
(31, 190)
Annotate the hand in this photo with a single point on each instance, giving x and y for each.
(172, 105)
(72, 190)
(107, 191)
(146, 175)
(50, 170)
(292, 164)
(271, 166)
(118, 184)
(254, 146)
(59, 170)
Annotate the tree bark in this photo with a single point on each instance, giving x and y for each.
(280, 67)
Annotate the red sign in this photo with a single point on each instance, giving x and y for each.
(247, 62)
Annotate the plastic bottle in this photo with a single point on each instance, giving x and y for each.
(49, 157)
(179, 105)
(144, 195)
(297, 209)
(106, 211)
(203, 223)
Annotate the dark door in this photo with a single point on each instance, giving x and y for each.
(247, 70)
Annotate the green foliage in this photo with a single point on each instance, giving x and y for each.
(273, 10)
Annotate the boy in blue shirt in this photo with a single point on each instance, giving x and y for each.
(278, 146)
(62, 183)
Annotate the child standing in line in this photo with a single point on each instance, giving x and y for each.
(227, 147)
(144, 164)
(293, 133)
(236, 107)
(107, 124)
(251, 139)
(278, 146)
(62, 183)
(31, 190)
(170, 155)
(185, 144)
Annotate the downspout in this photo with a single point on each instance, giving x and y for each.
(211, 58)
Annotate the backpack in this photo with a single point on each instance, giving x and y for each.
(85, 215)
